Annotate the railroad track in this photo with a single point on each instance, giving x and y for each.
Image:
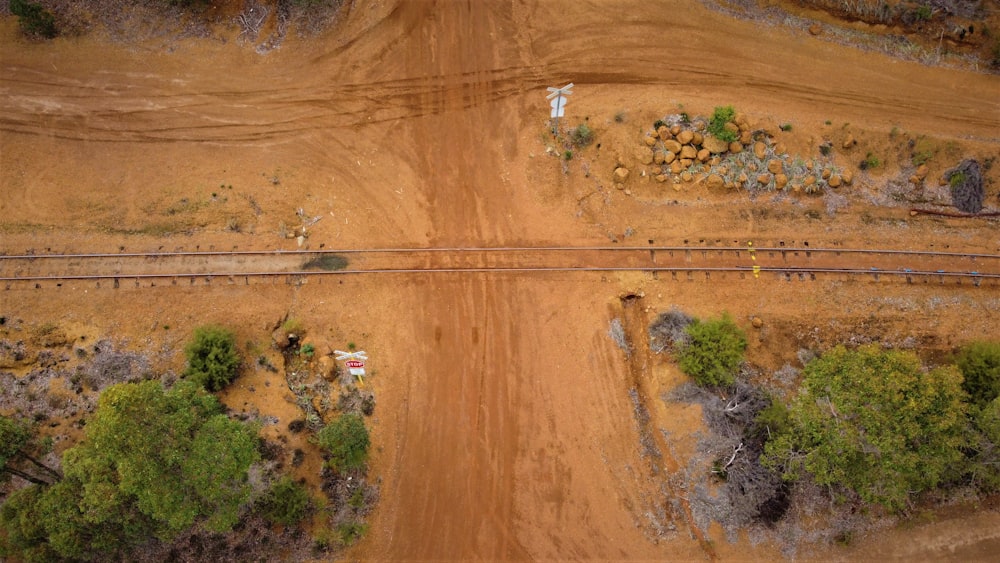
(689, 262)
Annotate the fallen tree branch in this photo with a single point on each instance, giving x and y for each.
(916, 210)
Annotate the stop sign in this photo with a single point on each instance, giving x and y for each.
(354, 364)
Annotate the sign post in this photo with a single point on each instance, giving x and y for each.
(558, 103)
(355, 362)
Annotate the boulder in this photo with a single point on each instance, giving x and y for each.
(664, 133)
(849, 141)
(735, 147)
(715, 145)
(756, 322)
(746, 137)
(661, 178)
(669, 157)
(847, 176)
(704, 155)
(759, 149)
(686, 176)
(966, 181)
(780, 181)
(672, 146)
(327, 367)
(649, 140)
(698, 139)
(687, 151)
(658, 157)
(675, 167)
(645, 155)
(815, 29)
(775, 167)
(764, 179)
(834, 181)
(714, 182)
(621, 174)
(686, 162)
(675, 129)
(922, 171)
(685, 137)
(826, 174)
(732, 127)
(809, 180)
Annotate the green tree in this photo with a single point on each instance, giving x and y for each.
(153, 462)
(714, 352)
(34, 19)
(979, 363)
(173, 451)
(213, 360)
(346, 441)
(984, 468)
(16, 447)
(875, 422)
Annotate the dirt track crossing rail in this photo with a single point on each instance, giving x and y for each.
(680, 262)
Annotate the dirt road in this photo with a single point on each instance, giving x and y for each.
(505, 428)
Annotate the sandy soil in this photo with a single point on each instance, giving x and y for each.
(504, 427)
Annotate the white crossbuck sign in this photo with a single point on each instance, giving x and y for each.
(558, 99)
(355, 361)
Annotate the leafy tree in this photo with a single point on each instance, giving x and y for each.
(173, 452)
(16, 443)
(213, 360)
(985, 466)
(285, 503)
(153, 462)
(714, 352)
(979, 363)
(875, 422)
(346, 440)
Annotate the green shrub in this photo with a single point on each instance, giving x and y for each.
(213, 361)
(715, 351)
(351, 532)
(34, 19)
(979, 363)
(346, 441)
(717, 125)
(308, 350)
(285, 503)
(581, 136)
(871, 161)
(785, 126)
(957, 179)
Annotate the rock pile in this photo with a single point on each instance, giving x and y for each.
(684, 152)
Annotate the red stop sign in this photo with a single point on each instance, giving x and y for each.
(355, 364)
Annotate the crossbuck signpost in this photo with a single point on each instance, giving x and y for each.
(558, 102)
(355, 362)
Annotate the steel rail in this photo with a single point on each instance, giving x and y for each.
(822, 250)
(305, 273)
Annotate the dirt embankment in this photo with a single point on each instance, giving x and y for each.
(505, 427)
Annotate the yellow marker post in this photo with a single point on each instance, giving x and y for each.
(756, 271)
(361, 382)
